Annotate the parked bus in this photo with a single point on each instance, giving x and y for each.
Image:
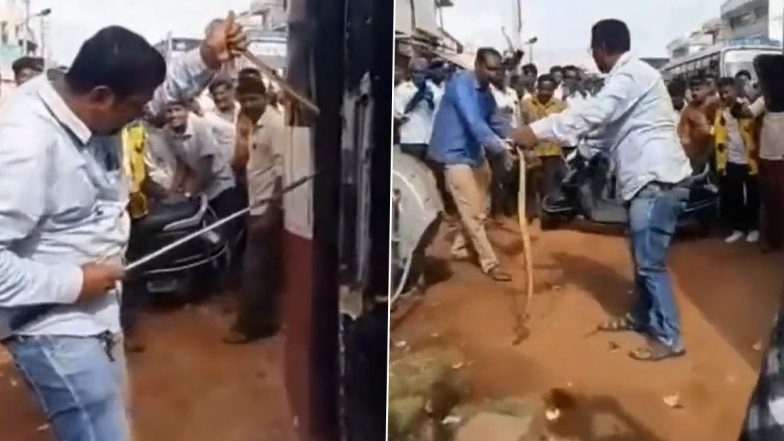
(723, 60)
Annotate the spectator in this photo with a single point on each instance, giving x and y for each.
(530, 75)
(415, 104)
(462, 132)
(677, 89)
(770, 70)
(695, 124)
(735, 161)
(25, 68)
(262, 154)
(551, 170)
(557, 73)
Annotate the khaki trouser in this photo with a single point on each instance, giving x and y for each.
(469, 187)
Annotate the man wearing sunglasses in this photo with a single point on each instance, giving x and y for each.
(635, 111)
(463, 130)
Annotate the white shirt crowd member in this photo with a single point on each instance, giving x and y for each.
(736, 150)
(635, 109)
(197, 146)
(419, 126)
(772, 135)
(224, 127)
(508, 104)
(265, 159)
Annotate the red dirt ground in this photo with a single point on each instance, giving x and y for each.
(186, 386)
(727, 297)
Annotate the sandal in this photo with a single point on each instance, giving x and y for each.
(619, 324)
(498, 275)
(657, 351)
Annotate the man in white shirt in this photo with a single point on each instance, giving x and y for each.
(415, 105)
(636, 111)
(509, 112)
(64, 225)
(770, 70)
(735, 147)
(203, 166)
(558, 75)
(222, 117)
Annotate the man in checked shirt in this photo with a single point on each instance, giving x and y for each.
(63, 221)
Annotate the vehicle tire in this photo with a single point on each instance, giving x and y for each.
(546, 221)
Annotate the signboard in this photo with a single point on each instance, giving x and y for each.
(269, 48)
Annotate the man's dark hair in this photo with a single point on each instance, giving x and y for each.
(531, 69)
(698, 80)
(484, 53)
(251, 85)
(546, 78)
(742, 73)
(612, 35)
(677, 87)
(728, 82)
(249, 72)
(32, 63)
(571, 67)
(555, 69)
(770, 71)
(118, 59)
(221, 82)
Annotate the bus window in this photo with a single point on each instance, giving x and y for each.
(736, 60)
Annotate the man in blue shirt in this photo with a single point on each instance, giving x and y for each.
(464, 128)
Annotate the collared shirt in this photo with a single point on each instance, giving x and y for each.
(736, 148)
(507, 106)
(224, 128)
(63, 196)
(464, 124)
(636, 110)
(535, 110)
(419, 124)
(772, 133)
(265, 160)
(196, 145)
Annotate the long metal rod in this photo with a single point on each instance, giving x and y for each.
(178, 243)
(310, 105)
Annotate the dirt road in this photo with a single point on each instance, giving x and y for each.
(186, 386)
(727, 297)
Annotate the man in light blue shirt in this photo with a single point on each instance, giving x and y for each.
(63, 221)
(635, 111)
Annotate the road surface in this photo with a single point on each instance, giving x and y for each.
(727, 296)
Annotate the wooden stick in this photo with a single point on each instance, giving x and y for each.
(521, 314)
(256, 61)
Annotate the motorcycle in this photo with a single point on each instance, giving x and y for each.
(167, 221)
(588, 192)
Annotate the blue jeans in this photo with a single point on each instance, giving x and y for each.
(80, 388)
(653, 216)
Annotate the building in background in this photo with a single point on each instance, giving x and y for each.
(15, 35)
(419, 29)
(760, 19)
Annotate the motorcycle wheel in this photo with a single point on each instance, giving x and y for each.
(546, 221)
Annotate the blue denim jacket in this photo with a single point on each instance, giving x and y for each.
(465, 123)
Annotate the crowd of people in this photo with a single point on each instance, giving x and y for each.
(87, 151)
(519, 96)
(658, 134)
